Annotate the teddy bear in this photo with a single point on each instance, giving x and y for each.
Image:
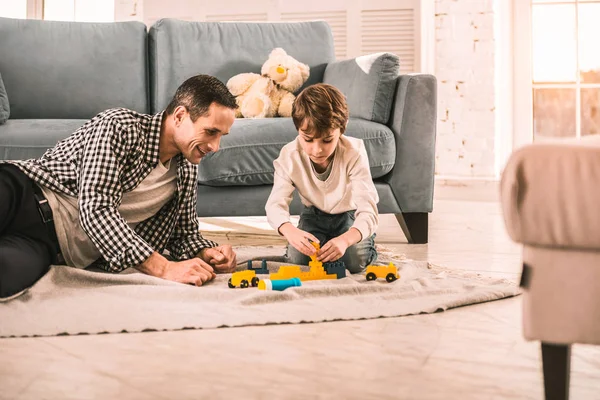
(270, 94)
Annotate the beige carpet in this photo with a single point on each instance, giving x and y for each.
(72, 301)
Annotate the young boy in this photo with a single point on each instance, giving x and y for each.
(331, 173)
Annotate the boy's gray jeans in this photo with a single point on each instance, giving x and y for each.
(328, 226)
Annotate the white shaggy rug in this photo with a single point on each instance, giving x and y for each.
(73, 301)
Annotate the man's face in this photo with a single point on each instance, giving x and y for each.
(196, 139)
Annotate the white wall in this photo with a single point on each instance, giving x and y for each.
(13, 8)
(129, 10)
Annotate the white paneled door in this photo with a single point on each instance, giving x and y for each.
(393, 30)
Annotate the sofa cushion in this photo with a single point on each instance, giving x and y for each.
(4, 105)
(368, 82)
(21, 139)
(68, 70)
(181, 49)
(225, 201)
(247, 153)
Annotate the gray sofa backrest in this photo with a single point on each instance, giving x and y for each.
(73, 70)
(180, 49)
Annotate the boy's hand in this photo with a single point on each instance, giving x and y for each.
(336, 247)
(333, 250)
(299, 238)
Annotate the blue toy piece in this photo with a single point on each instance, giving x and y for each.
(262, 270)
(335, 267)
(278, 284)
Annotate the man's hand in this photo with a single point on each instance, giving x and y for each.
(194, 271)
(222, 258)
(299, 238)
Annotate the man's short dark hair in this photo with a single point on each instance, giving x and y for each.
(197, 93)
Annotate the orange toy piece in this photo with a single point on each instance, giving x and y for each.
(294, 271)
(316, 245)
(286, 272)
(314, 263)
(316, 271)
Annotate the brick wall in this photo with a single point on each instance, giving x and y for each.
(465, 68)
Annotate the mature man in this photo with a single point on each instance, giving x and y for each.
(117, 193)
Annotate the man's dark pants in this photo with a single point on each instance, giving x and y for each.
(26, 246)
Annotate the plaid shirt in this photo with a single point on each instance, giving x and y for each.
(108, 156)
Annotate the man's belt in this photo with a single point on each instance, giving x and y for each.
(48, 219)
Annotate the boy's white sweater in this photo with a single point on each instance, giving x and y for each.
(348, 187)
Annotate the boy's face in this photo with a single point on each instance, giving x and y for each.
(320, 149)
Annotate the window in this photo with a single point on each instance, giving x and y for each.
(563, 68)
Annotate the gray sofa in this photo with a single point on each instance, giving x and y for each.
(59, 74)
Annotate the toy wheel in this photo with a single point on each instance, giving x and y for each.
(244, 284)
(230, 284)
(390, 277)
(255, 281)
(371, 276)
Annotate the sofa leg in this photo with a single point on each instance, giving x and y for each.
(415, 226)
(556, 360)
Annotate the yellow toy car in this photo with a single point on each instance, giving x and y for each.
(389, 272)
(243, 279)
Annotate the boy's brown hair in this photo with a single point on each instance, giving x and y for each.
(320, 108)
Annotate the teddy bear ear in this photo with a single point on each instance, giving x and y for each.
(304, 70)
(278, 52)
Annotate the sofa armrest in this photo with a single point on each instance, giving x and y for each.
(4, 104)
(413, 120)
(550, 194)
(368, 82)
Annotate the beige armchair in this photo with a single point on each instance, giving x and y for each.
(550, 196)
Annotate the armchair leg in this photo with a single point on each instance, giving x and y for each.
(415, 226)
(556, 360)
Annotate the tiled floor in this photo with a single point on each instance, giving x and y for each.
(474, 352)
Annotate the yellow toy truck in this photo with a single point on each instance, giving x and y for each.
(389, 272)
(294, 271)
(286, 272)
(317, 270)
(243, 279)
